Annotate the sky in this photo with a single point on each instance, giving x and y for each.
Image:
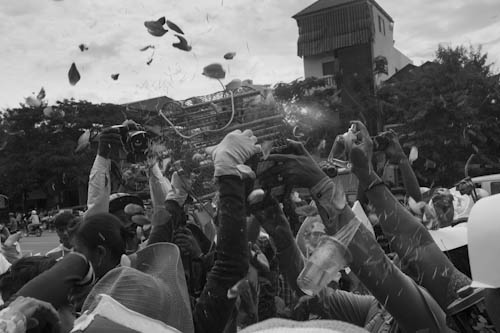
(40, 41)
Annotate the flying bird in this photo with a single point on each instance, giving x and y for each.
(155, 28)
(174, 27)
(115, 76)
(182, 44)
(229, 55)
(73, 75)
(83, 47)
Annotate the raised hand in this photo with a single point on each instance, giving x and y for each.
(394, 152)
(297, 169)
(110, 143)
(362, 152)
(187, 243)
(234, 150)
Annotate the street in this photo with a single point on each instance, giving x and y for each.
(33, 245)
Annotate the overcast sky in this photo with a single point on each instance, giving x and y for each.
(40, 40)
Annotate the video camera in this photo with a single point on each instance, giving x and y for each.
(135, 141)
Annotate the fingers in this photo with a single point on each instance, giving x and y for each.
(210, 150)
(247, 132)
(361, 128)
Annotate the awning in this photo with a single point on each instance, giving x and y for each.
(335, 28)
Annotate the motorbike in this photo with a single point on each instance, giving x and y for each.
(35, 230)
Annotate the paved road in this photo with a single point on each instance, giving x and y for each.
(34, 245)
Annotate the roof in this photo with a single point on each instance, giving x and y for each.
(320, 5)
(401, 74)
(326, 4)
(152, 104)
(335, 28)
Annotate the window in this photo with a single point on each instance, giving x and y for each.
(329, 68)
(379, 24)
(495, 188)
(383, 26)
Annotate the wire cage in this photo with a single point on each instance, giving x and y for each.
(200, 122)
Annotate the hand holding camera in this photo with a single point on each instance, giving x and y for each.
(296, 168)
(110, 143)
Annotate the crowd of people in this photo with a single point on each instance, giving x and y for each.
(269, 259)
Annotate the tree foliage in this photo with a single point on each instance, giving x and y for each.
(449, 109)
(39, 150)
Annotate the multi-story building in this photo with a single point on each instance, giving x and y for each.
(346, 38)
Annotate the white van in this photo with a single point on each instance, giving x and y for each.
(490, 183)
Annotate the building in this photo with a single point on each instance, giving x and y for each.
(346, 38)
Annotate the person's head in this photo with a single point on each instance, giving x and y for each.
(117, 204)
(33, 212)
(442, 201)
(21, 272)
(62, 222)
(101, 239)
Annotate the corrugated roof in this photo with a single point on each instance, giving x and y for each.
(152, 104)
(320, 5)
(325, 4)
(335, 28)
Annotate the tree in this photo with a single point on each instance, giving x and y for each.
(449, 110)
(39, 150)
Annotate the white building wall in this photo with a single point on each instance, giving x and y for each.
(383, 45)
(313, 66)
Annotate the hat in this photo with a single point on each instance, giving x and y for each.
(276, 325)
(483, 233)
(118, 201)
(155, 287)
(112, 317)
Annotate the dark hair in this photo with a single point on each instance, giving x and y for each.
(102, 229)
(63, 219)
(21, 272)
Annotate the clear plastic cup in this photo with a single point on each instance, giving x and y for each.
(323, 265)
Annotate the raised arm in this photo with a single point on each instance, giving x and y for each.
(159, 186)
(385, 281)
(395, 154)
(100, 180)
(421, 257)
(214, 308)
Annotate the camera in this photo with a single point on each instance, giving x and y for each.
(135, 140)
(329, 168)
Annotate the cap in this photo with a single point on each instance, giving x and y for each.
(118, 201)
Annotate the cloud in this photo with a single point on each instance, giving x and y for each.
(40, 41)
